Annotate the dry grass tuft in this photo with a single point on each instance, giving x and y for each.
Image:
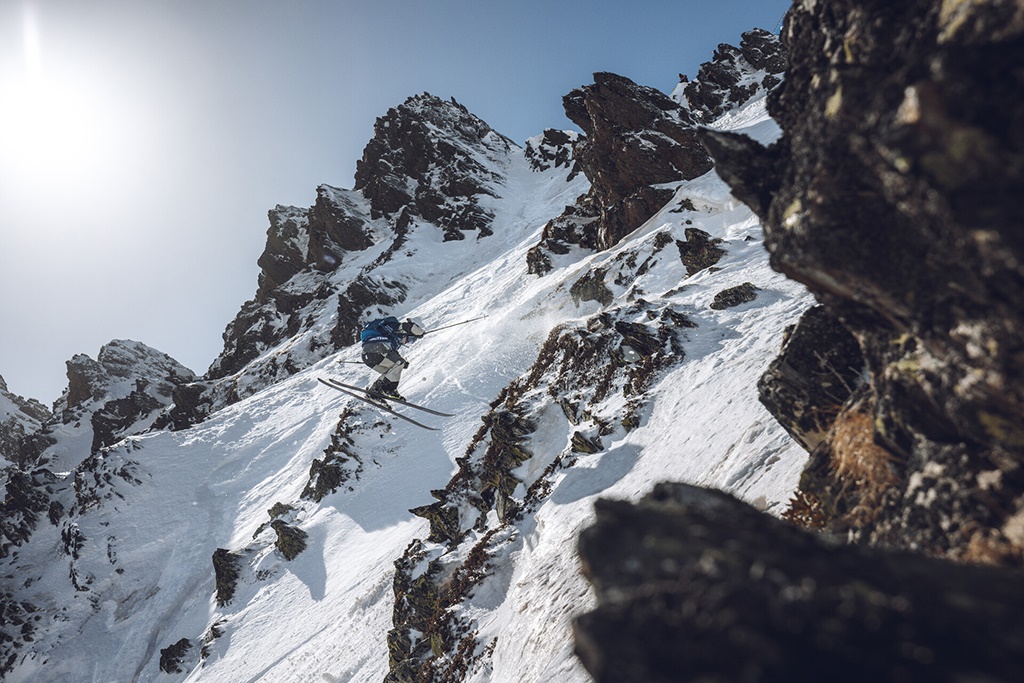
(863, 469)
(805, 510)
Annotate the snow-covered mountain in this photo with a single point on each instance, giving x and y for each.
(263, 530)
(622, 328)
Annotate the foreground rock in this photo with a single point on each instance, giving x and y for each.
(893, 195)
(694, 585)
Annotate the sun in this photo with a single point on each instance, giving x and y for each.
(51, 129)
(54, 123)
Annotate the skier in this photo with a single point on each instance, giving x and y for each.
(381, 340)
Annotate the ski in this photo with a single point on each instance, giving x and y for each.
(373, 403)
(381, 397)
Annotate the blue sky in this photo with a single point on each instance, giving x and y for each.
(148, 140)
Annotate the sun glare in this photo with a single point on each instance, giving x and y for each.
(51, 129)
(54, 122)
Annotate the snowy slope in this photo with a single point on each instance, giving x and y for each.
(143, 525)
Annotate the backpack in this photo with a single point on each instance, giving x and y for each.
(381, 329)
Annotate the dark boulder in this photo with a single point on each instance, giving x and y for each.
(694, 585)
(291, 540)
(699, 251)
(226, 568)
(735, 296)
(172, 656)
(816, 372)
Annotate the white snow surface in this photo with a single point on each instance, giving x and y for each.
(145, 564)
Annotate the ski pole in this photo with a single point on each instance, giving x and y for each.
(438, 329)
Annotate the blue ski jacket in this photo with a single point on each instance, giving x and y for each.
(383, 330)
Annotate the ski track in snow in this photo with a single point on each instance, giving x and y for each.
(326, 614)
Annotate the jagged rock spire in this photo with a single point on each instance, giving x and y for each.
(424, 158)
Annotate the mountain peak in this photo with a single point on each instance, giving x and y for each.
(433, 159)
(733, 76)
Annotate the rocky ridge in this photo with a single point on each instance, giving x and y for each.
(733, 76)
(124, 390)
(431, 165)
(433, 160)
(635, 138)
(19, 418)
(638, 141)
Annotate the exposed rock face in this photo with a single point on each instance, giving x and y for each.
(26, 502)
(121, 392)
(734, 76)
(694, 585)
(291, 540)
(303, 247)
(638, 139)
(635, 137)
(552, 149)
(893, 196)
(423, 159)
(699, 251)
(316, 238)
(171, 657)
(19, 419)
(287, 248)
(226, 567)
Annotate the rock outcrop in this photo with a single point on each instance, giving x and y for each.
(817, 371)
(409, 167)
(304, 246)
(552, 149)
(638, 141)
(733, 76)
(694, 585)
(635, 139)
(20, 418)
(891, 195)
(122, 392)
